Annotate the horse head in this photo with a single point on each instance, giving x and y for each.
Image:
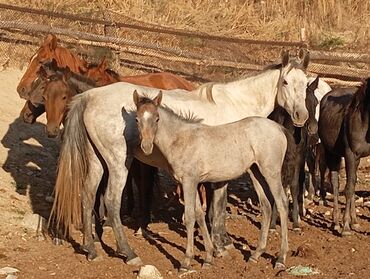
(311, 104)
(147, 118)
(101, 74)
(292, 86)
(56, 96)
(48, 50)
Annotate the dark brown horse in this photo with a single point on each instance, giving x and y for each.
(293, 168)
(344, 132)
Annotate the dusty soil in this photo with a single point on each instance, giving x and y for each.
(28, 160)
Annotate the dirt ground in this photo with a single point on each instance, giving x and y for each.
(27, 173)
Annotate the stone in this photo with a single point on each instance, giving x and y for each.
(149, 272)
(8, 270)
(11, 276)
(33, 221)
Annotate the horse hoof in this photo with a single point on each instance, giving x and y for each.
(279, 265)
(355, 226)
(94, 258)
(135, 262)
(57, 241)
(297, 229)
(346, 233)
(207, 265)
(272, 230)
(221, 253)
(252, 260)
(183, 271)
(229, 246)
(337, 228)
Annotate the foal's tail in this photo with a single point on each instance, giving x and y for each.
(289, 159)
(72, 168)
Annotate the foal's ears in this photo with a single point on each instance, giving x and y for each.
(284, 57)
(136, 98)
(157, 100)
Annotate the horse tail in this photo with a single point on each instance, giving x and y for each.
(72, 169)
(289, 159)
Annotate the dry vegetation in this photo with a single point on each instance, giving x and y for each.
(329, 23)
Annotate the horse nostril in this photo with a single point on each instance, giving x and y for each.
(296, 115)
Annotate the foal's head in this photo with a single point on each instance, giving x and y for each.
(292, 86)
(311, 104)
(147, 118)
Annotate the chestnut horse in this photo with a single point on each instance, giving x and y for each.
(29, 86)
(102, 75)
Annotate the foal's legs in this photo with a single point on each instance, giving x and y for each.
(88, 199)
(193, 211)
(351, 175)
(259, 183)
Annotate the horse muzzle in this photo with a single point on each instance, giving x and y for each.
(147, 147)
(52, 132)
(23, 92)
(299, 117)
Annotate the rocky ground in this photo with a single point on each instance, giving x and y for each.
(27, 173)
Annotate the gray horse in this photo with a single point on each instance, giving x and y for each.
(200, 153)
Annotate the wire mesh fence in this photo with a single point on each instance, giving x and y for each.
(144, 47)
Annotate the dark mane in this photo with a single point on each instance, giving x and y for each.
(188, 117)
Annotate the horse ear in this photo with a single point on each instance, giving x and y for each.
(54, 64)
(51, 41)
(314, 84)
(284, 57)
(103, 64)
(306, 60)
(136, 98)
(67, 74)
(157, 100)
(43, 73)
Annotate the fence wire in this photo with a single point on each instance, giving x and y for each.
(156, 48)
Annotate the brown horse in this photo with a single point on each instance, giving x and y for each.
(103, 75)
(30, 84)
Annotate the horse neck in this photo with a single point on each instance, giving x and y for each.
(170, 128)
(259, 91)
(66, 58)
(79, 84)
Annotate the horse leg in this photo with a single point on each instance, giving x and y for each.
(200, 217)
(351, 173)
(273, 217)
(116, 183)
(91, 185)
(146, 193)
(190, 191)
(295, 191)
(321, 158)
(334, 166)
(219, 236)
(311, 164)
(259, 184)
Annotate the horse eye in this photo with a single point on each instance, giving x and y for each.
(137, 121)
(285, 82)
(157, 119)
(64, 97)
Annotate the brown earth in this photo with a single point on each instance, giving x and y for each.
(28, 160)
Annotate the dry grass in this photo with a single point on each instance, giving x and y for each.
(346, 21)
